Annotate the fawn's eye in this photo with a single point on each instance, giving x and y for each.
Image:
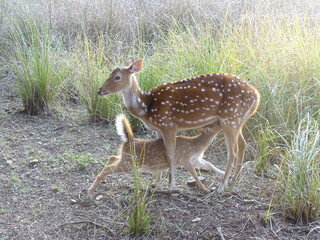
(117, 78)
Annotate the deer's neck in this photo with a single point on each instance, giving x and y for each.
(134, 99)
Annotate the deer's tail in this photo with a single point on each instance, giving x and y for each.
(124, 128)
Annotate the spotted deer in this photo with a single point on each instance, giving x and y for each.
(149, 155)
(187, 104)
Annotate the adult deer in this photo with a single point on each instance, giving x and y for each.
(190, 103)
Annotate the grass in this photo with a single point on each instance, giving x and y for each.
(139, 218)
(300, 173)
(39, 70)
(274, 45)
(91, 71)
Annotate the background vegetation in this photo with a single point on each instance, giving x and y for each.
(59, 52)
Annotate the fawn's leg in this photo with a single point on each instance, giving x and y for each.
(203, 164)
(114, 165)
(188, 166)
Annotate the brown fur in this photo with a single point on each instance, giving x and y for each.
(149, 155)
(191, 103)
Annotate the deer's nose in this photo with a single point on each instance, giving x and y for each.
(99, 91)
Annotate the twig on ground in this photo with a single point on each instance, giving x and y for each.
(219, 229)
(315, 228)
(87, 222)
(166, 192)
(245, 225)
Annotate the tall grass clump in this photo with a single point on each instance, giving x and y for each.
(139, 218)
(92, 71)
(38, 68)
(300, 173)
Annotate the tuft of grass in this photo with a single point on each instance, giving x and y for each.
(93, 65)
(267, 144)
(139, 218)
(39, 71)
(300, 173)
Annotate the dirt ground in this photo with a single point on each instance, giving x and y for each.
(47, 162)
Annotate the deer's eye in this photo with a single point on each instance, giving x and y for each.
(117, 78)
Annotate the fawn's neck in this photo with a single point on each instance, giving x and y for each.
(204, 140)
(134, 98)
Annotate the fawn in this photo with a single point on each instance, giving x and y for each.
(190, 103)
(149, 155)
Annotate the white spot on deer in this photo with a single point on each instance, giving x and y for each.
(139, 100)
(217, 102)
(214, 89)
(163, 103)
(203, 90)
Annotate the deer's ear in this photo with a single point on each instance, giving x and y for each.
(129, 62)
(136, 67)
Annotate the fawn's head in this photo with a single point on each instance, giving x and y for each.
(120, 78)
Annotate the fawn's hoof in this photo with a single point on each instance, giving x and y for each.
(221, 189)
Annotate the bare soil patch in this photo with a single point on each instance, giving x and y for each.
(47, 162)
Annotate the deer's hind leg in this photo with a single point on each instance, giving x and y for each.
(231, 136)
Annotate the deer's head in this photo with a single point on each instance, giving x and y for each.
(120, 78)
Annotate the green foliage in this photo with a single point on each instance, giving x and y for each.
(92, 68)
(139, 218)
(300, 173)
(82, 161)
(267, 144)
(39, 71)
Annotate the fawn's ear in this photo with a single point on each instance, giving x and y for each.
(136, 67)
(129, 62)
